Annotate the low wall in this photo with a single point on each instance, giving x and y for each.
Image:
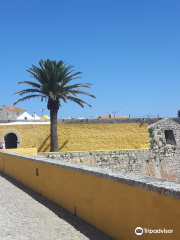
(25, 151)
(115, 203)
(147, 162)
(128, 161)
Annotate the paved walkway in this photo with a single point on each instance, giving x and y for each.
(26, 215)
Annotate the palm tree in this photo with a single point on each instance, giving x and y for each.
(178, 114)
(53, 85)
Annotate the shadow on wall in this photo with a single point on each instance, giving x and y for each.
(64, 144)
(44, 148)
(41, 148)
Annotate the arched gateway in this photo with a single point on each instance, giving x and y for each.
(10, 139)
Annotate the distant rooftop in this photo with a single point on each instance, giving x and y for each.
(45, 117)
(106, 117)
(14, 109)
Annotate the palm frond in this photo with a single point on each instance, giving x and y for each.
(78, 101)
(28, 97)
(33, 84)
(63, 97)
(35, 75)
(67, 78)
(78, 85)
(28, 91)
(82, 92)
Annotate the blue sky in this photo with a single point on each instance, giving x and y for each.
(128, 49)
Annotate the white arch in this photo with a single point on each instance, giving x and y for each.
(11, 131)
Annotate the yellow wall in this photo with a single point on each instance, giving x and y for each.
(1, 161)
(83, 137)
(114, 208)
(26, 151)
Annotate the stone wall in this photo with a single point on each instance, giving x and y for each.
(162, 160)
(168, 155)
(109, 120)
(142, 162)
(128, 161)
(149, 121)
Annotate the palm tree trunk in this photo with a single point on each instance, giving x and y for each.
(54, 135)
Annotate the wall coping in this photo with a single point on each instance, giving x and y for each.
(119, 151)
(149, 121)
(160, 186)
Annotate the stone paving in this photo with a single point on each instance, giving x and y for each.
(27, 215)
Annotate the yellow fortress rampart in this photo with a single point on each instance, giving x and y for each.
(114, 203)
(82, 137)
(25, 151)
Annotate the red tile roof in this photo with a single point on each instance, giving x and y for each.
(105, 117)
(14, 109)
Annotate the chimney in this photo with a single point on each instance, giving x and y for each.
(34, 115)
(110, 115)
(3, 107)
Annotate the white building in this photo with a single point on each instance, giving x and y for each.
(27, 116)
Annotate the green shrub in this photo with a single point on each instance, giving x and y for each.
(151, 132)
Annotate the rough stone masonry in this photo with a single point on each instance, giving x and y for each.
(162, 160)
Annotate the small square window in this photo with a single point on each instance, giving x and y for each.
(169, 135)
(25, 118)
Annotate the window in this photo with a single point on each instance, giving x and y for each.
(25, 118)
(169, 135)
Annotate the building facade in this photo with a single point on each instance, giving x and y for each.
(10, 113)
